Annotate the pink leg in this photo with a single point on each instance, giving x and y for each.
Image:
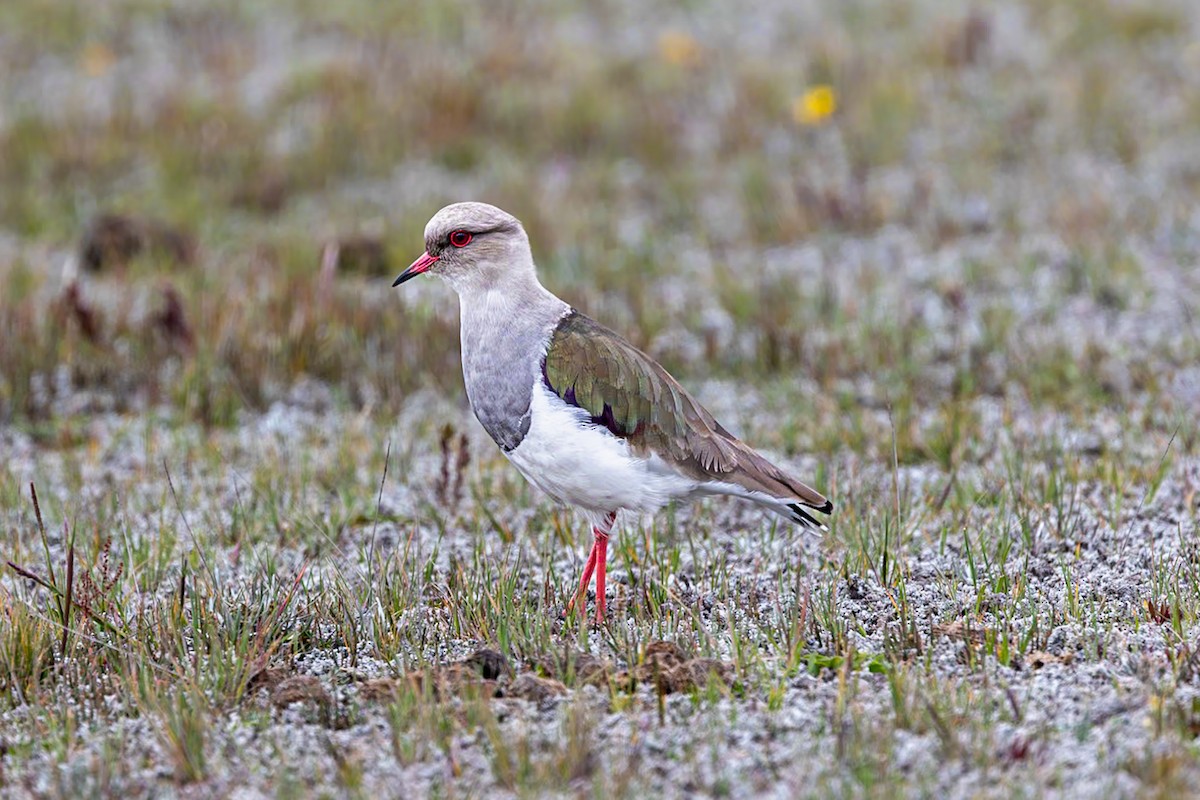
(601, 568)
(581, 592)
(598, 563)
(600, 543)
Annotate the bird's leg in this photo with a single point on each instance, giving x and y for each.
(600, 545)
(581, 592)
(598, 563)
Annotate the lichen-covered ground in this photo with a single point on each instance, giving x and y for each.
(942, 261)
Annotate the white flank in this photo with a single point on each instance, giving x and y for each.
(579, 463)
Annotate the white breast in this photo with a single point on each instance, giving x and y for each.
(582, 464)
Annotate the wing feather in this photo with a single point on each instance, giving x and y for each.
(626, 391)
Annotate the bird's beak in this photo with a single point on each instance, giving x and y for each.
(422, 264)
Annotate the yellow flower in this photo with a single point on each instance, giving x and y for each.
(679, 49)
(815, 105)
(96, 60)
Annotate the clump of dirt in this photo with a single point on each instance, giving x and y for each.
(581, 669)
(488, 673)
(266, 678)
(665, 667)
(305, 689)
(528, 686)
(490, 664)
(483, 674)
(111, 241)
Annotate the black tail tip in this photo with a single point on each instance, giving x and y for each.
(804, 518)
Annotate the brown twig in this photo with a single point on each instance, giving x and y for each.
(182, 583)
(441, 489)
(464, 458)
(172, 321)
(37, 512)
(70, 582)
(84, 315)
(24, 573)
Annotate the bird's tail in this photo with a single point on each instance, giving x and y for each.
(755, 478)
(790, 508)
(796, 513)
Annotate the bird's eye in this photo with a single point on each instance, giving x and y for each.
(460, 238)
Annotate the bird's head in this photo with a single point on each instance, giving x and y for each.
(473, 246)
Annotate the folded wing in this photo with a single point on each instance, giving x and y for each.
(627, 392)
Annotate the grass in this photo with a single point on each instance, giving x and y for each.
(179, 642)
(201, 163)
(270, 533)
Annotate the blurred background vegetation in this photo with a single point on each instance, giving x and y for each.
(918, 203)
(941, 257)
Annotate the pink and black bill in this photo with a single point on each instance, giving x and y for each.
(422, 264)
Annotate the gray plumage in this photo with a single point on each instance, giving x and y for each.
(507, 316)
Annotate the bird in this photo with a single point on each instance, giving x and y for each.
(585, 416)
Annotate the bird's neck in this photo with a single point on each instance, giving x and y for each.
(522, 303)
(505, 331)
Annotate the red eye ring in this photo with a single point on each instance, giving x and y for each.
(460, 238)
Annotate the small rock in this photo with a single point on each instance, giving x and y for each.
(583, 669)
(663, 654)
(538, 690)
(491, 664)
(379, 690)
(452, 680)
(266, 678)
(301, 689)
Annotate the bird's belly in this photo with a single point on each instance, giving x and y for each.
(581, 464)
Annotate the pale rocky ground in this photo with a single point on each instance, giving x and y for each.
(1081, 724)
